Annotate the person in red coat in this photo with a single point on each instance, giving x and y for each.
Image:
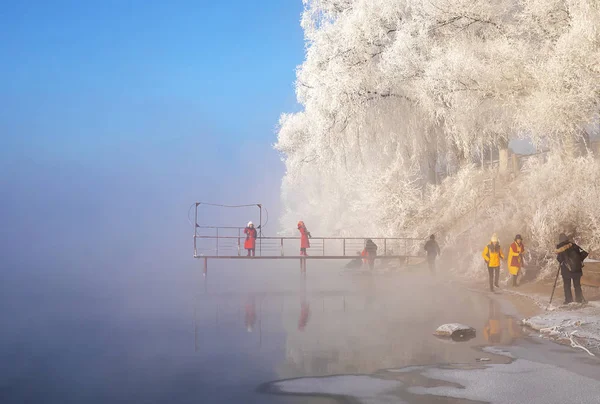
(304, 236)
(250, 243)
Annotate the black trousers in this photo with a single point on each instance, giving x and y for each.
(514, 279)
(250, 251)
(576, 285)
(431, 264)
(494, 274)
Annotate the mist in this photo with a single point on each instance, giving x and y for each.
(115, 119)
(97, 253)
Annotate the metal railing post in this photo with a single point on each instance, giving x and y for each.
(344, 247)
(217, 241)
(260, 224)
(385, 246)
(323, 247)
(239, 242)
(281, 244)
(195, 230)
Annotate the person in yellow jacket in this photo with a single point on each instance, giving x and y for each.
(515, 258)
(492, 254)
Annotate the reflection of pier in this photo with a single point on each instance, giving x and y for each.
(293, 309)
(359, 325)
(227, 243)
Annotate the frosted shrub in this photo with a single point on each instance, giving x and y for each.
(561, 195)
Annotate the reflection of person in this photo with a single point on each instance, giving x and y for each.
(570, 256)
(250, 243)
(250, 313)
(304, 315)
(514, 329)
(515, 258)
(492, 254)
(304, 236)
(492, 332)
(433, 250)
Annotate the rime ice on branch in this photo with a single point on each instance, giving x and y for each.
(397, 92)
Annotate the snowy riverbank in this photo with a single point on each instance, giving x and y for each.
(572, 325)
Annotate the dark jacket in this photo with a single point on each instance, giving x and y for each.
(570, 257)
(432, 248)
(371, 248)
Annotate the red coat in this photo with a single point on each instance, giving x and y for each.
(365, 254)
(250, 242)
(304, 243)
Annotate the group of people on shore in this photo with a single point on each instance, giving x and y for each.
(492, 255)
(568, 254)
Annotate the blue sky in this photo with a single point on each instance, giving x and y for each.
(83, 74)
(105, 104)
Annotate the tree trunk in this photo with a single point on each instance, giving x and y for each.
(571, 146)
(431, 166)
(461, 157)
(432, 155)
(503, 156)
(516, 169)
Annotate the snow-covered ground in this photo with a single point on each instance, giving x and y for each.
(572, 324)
(519, 381)
(575, 325)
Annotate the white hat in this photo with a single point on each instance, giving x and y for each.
(250, 224)
(494, 238)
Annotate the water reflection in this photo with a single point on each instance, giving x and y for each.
(304, 308)
(500, 329)
(250, 318)
(359, 324)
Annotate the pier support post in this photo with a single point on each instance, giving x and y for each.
(195, 230)
(205, 271)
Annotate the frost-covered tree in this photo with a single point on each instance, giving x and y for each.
(397, 94)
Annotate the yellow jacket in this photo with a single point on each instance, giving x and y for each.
(515, 258)
(492, 255)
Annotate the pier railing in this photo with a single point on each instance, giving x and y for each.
(233, 246)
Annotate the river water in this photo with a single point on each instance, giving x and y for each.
(257, 332)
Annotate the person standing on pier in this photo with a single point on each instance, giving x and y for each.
(250, 243)
(304, 236)
(433, 250)
(371, 253)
